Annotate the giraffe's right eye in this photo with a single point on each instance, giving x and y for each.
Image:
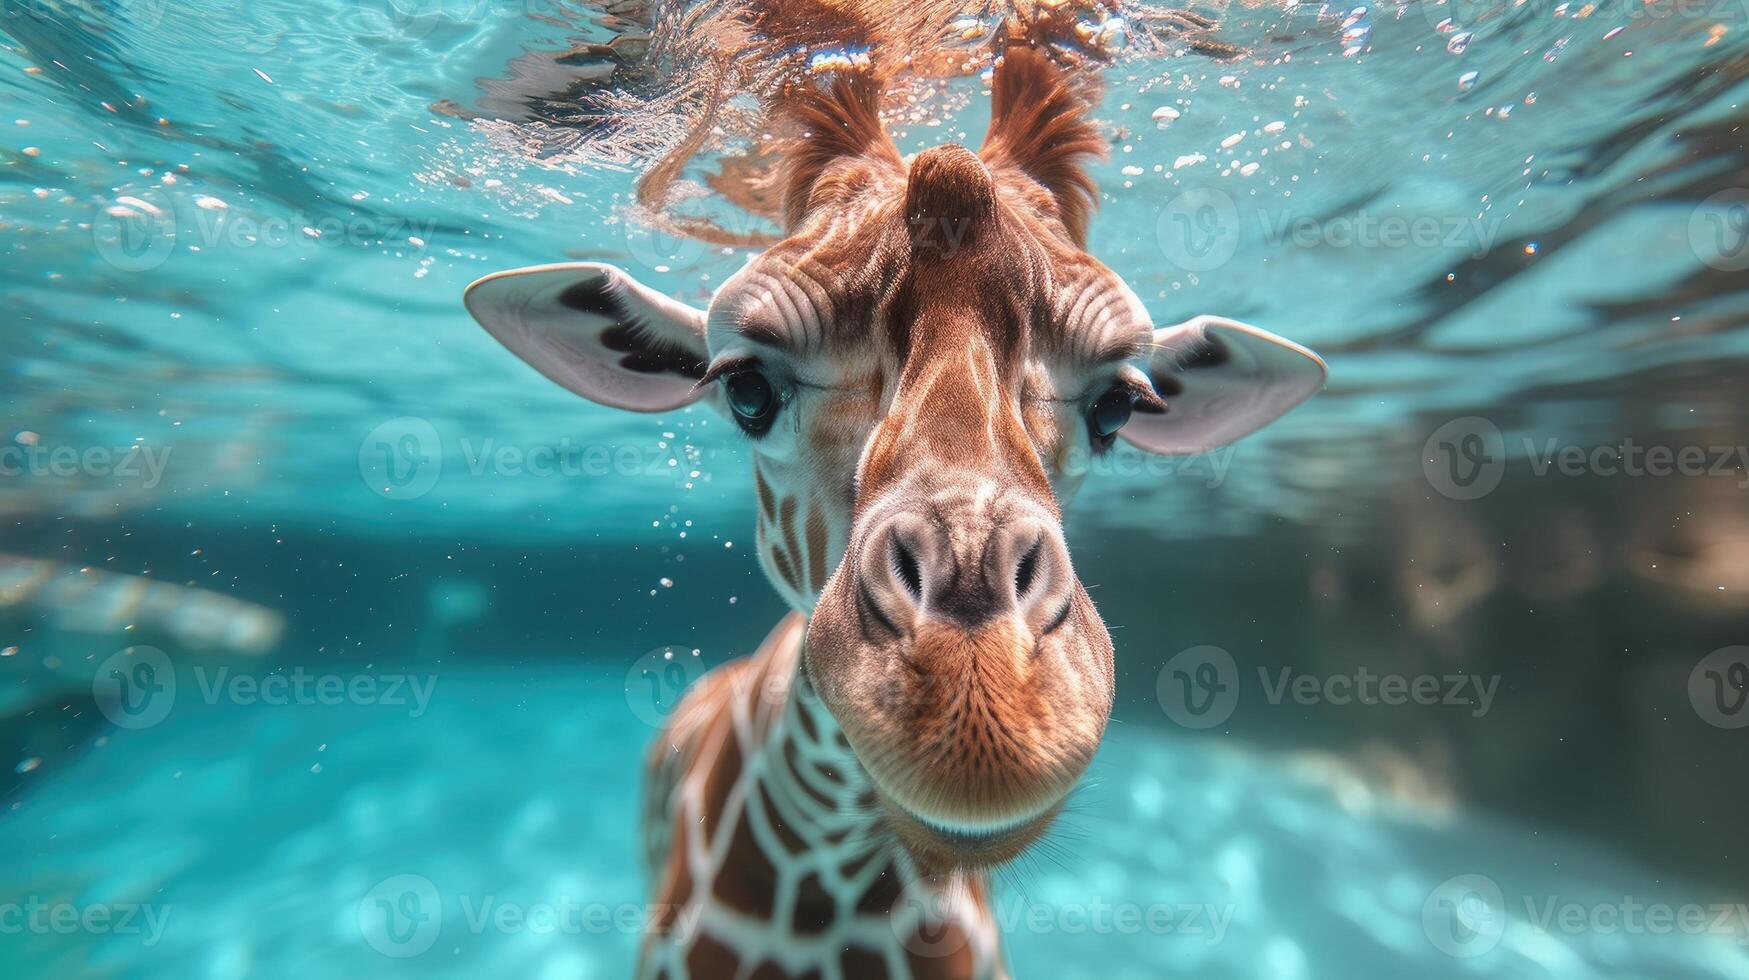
(753, 401)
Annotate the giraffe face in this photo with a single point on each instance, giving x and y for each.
(918, 369)
(922, 368)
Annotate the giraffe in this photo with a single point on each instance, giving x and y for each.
(923, 367)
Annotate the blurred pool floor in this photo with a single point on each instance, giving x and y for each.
(262, 840)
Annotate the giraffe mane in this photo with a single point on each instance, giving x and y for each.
(1039, 127)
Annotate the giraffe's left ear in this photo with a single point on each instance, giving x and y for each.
(1221, 380)
(597, 331)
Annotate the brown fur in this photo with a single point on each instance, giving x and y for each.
(840, 121)
(929, 299)
(746, 880)
(1039, 126)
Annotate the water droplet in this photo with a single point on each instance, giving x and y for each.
(840, 59)
(1467, 80)
(968, 29)
(1114, 35)
(1459, 42)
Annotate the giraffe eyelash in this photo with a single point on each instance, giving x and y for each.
(724, 367)
(751, 362)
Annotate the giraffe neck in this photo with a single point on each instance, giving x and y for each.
(785, 858)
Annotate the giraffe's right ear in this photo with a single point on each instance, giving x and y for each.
(597, 331)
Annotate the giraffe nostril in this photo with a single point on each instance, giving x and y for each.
(905, 563)
(1027, 570)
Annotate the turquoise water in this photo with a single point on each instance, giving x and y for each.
(258, 865)
(235, 237)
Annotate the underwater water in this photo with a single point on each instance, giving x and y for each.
(247, 427)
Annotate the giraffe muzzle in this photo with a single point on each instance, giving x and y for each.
(966, 665)
(941, 565)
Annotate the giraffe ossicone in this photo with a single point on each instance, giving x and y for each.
(915, 364)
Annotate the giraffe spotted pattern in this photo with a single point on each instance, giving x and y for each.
(769, 854)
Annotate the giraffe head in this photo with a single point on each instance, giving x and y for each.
(923, 367)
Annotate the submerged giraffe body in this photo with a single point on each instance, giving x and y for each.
(925, 367)
(768, 854)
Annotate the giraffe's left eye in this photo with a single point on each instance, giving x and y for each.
(753, 401)
(1109, 413)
